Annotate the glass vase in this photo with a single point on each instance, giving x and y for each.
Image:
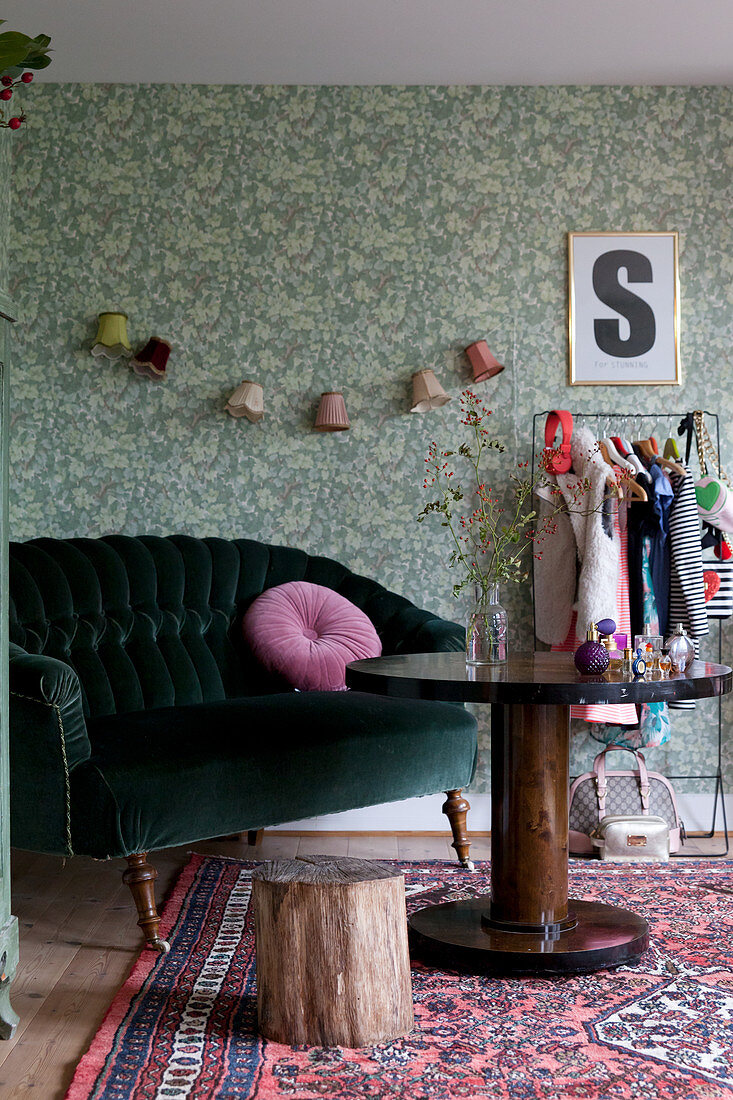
(487, 629)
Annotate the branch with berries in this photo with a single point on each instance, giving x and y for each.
(490, 542)
(19, 53)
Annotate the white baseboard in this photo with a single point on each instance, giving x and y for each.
(417, 815)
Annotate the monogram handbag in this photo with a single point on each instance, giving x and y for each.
(600, 794)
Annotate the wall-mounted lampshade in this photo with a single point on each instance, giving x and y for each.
(247, 401)
(153, 359)
(427, 392)
(483, 364)
(111, 341)
(331, 416)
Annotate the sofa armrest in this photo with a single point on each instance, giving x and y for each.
(48, 738)
(403, 627)
(431, 634)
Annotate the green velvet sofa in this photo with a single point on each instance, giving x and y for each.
(139, 720)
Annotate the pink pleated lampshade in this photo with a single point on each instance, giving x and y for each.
(483, 363)
(427, 392)
(331, 416)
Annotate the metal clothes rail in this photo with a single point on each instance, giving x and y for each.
(647, 424)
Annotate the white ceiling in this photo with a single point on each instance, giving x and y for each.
(383, 41)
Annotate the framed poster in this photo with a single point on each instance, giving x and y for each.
(624, 309)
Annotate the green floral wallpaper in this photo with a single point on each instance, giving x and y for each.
(337, 237)
(6, 138)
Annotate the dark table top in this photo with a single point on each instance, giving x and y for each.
(525, 678)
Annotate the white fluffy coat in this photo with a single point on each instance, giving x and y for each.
(580, 562)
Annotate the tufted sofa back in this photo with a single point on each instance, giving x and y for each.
(155, 622)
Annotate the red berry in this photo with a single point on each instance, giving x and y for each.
(6, 80)
(27, 77)
(14, 123)
(6, 94)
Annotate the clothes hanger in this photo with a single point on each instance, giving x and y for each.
(668, 464)
(633, 460)
(611, 480)
(615, 456)
(636, 491)
(650, 450)
(646, 448)
(671, 450)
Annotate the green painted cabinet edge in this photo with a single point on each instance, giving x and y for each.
(8, 923)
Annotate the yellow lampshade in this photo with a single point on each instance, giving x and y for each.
(112, 341)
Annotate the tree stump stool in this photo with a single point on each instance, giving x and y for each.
(333, 964)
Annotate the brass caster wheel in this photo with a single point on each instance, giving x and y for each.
(162, 946)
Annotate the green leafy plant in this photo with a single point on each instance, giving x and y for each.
(19, 53)
(489, 543)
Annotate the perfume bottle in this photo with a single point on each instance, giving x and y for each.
(681, 649)
(638, 665)
(627, 660)
(591, 656)
(614, 653)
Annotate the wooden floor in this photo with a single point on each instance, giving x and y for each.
(78, 941)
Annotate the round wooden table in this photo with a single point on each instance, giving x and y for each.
(527, 924)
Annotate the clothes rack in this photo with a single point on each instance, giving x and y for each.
(646, 424)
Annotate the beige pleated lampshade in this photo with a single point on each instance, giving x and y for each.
(111, 340)
(427, 392)
(247, 400)
(331, 415)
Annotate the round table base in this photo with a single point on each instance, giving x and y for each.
(453, 934)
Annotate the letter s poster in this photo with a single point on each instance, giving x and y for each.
(623, 316)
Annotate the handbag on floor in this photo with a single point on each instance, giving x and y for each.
(600, 794)
(623, 839)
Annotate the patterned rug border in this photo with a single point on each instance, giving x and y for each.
(93, 1061)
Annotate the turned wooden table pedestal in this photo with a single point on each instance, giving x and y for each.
(527, 924)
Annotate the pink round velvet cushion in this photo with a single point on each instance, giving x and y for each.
(308, 634)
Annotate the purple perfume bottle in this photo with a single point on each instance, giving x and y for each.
(591, 656)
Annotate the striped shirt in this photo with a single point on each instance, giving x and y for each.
(686, 584)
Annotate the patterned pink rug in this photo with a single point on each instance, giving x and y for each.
(184, 1024)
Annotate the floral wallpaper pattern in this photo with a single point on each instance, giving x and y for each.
(5, 161)
(338, 237)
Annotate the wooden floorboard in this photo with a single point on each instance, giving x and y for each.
(79, 940)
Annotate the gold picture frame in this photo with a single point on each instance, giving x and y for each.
(618, 336)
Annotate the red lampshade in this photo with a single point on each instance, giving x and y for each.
(152, 360)
(483, 363)
(331, 416)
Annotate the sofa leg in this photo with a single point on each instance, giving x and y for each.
(140, 877)
(455, 808)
